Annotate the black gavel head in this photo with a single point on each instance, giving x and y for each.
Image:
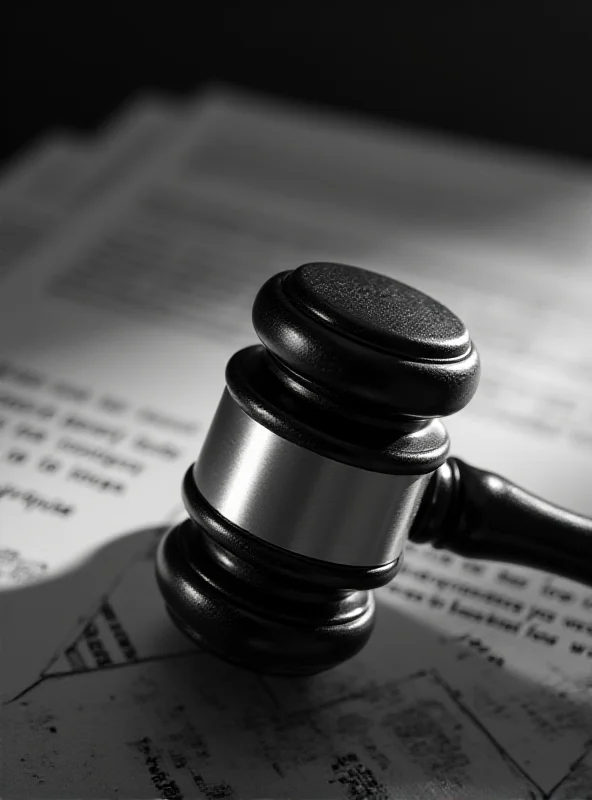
(314, 467)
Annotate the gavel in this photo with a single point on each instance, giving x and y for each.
(326, 453)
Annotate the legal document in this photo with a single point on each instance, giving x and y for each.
(115, 329)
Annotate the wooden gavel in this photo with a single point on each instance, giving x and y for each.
(325, 454)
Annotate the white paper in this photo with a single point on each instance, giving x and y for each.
(48, 187)
(476, 682)
(27, 213)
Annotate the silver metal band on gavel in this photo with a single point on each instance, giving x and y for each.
(299, 500)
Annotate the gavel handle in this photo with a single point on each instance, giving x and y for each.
(482, 515)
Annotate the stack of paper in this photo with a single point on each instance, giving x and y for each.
(128, 266)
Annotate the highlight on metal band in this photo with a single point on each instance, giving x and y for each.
(302, 501)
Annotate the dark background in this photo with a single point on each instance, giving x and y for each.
(517, 73)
